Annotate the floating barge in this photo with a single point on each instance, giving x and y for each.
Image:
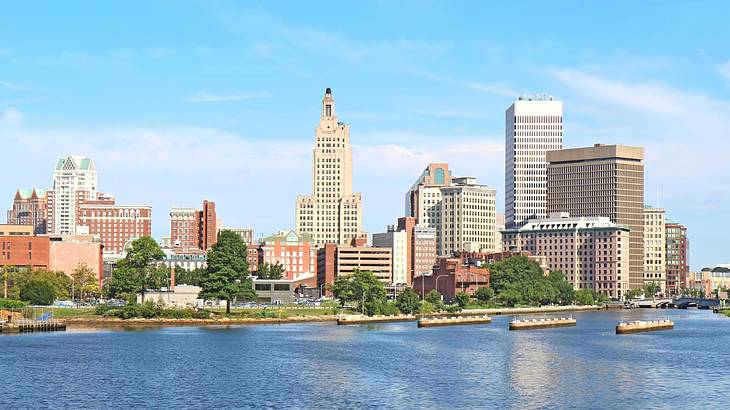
(520, 324)
(360, 319)
(453, 321)
(643, 326)
(25, 326)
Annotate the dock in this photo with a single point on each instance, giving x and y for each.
(453, 321)
(521, 324)
(361, 319)
(643, 326)
(25, 326)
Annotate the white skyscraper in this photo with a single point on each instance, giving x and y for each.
(74, 179)
(332, 214)
(533, 125)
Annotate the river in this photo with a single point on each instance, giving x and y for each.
(390, 365)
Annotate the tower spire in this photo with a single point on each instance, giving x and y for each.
(328, 104)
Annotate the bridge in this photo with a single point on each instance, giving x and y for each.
(679, 303)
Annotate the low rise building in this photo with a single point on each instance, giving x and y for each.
(296, 253)
(592, 252)
(69, 252)
(339, 260)
(275, 291)
(186, 258)
(450, 276)
(21, 248)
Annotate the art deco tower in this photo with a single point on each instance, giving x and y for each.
(332, 214)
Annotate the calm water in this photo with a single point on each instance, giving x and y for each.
(390, 365)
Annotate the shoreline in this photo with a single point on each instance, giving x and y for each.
(101, 322)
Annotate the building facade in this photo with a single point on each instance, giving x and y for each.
(533, 126)
(343, 260)
(30, 207)
(74, 180)
(461, 211)
(592, 252)
(655, 267)
(677, 256)
(186, 258)
(245, 233)
(333, 213)
(397, 241)
(468, 217)
(296, 253)
(602, 181)
(424, 250)
(66, 253)
(194, 228)
(114, 224)
(450, 276)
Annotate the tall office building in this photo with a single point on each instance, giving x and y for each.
(677, 257)
(74, 180)
(423, 200)
(30, 207)
(533, 126)
(655, 247)
(461, 211)
(603, 180)
(333, 213)
(468, 217)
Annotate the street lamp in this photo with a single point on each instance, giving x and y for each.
(437, 283)
(73, 282)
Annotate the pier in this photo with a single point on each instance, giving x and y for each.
(453, 321)
(360, 319)
(520, 324)
(643, 326)
(24, 326)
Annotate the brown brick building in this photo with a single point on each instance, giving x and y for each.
(450, 276)
(114, 224)
(30, 207)
(192, 228)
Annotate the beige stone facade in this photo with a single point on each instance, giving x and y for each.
(333, 213)
(592, 252)
(602, 181)
(365, 258)
(655, 250)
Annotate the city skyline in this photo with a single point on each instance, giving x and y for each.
(207, 142)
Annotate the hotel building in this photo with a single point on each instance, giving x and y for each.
(592, 252)
(333, 213)
(296, 253)
(115, 225)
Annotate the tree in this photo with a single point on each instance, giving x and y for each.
(408, 301)
(38, 292)
(518, 280)
(361, 288)
(269, 271)
(226, 277)
(84, 280)
(461, 299)
(139, 270)
(651, 289)
(188, 277)
(484, 294)
(584, 297)
(433, 297)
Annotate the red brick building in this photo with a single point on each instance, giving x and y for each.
(296, 253)
(114, 224)
(192, 228)
(30, 207)
(450, 276)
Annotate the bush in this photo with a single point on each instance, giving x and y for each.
(12, 304)
(386, 308)
(101, 310)
(427, 307)
(38, 292)
(484, 295)
(452, 308)
(461, 299)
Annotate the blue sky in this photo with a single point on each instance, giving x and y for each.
(182, 101)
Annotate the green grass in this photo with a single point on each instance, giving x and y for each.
(67, 313)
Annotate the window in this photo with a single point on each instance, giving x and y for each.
(281, 286)
(263, 286)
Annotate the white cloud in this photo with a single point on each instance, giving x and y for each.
(11, 86)
(205, 97)
(254, 182)
(11, 116)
